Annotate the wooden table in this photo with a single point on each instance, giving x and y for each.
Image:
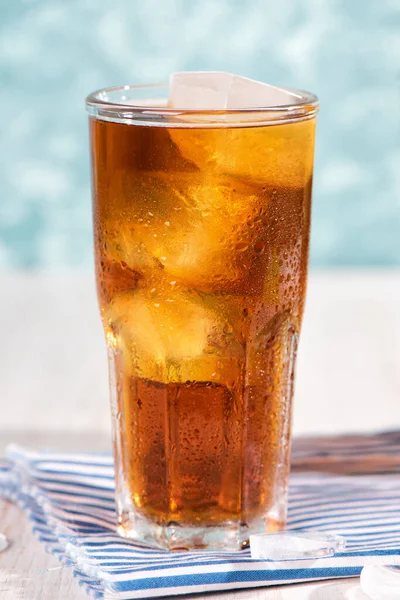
(54, 379)
(27, 572)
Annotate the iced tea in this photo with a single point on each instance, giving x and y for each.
(201, 240)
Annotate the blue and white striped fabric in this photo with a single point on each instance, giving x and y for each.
(70, 499)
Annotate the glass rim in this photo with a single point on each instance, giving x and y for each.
(99, 105)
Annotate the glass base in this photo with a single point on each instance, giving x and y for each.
(229, 537)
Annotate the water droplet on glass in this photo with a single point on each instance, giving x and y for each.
(241, 246)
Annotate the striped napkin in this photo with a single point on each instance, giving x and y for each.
(352, 489)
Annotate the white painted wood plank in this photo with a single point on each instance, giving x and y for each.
(27, 572)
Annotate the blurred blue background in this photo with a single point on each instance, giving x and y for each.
(52, 53)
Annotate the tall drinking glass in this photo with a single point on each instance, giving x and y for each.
(201, 227)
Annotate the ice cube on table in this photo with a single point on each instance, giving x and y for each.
(288, 545)
(381, 582)
(3, 542)
(217, 90)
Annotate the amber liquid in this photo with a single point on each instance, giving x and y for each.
(201, 257)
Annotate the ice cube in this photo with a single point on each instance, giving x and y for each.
(187, 229)
(199, 90)
(201, 250)
(170, 335)
(3, 542)
(275, 155)
(207, 90)
(381, 582)
(160, 324)
(288, 545)
(156, 329)
(248, 93)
